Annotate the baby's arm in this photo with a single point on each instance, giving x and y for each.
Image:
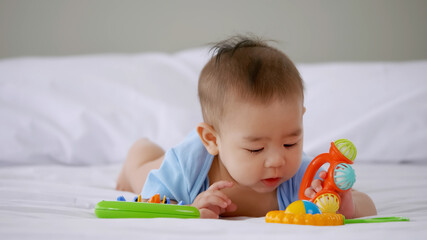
(363, 204)
(354, 204)
(212, 202)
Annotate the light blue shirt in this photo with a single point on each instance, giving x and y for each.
(184, 174)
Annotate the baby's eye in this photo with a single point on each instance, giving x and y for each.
(289, 145)
(255, 150)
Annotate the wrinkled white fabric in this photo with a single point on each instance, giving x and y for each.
(57, 202)
(87, 110)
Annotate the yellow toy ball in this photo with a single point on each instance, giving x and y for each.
(347, 148)
(303, 207)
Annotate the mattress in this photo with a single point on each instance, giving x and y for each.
(55, 201)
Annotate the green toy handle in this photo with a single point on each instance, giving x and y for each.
(377, 220)
(119, 209)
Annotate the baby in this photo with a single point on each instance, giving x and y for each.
(246, 158)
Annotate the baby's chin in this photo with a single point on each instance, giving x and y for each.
(262, 188)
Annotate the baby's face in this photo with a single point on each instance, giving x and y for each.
(261, 144)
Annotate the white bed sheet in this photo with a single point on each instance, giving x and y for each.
(57, 202)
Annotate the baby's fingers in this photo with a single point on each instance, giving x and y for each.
(309, 192)
(316, 185)
(323, 174)
(221, 185)
(213, 199)
(207, 213)
(231, 208)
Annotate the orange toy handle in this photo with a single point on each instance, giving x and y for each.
(310, 173)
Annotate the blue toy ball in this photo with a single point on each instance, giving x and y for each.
(121, 198)
(344, 176)
(303, 207)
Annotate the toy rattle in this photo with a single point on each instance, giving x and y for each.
(154, 208)
(340, 176)
(321, 209)
(303, 212)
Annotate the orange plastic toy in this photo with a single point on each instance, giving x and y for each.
(340, 176)
(324, 219)
(155, 199)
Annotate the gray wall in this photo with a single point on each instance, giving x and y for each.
(308, 31)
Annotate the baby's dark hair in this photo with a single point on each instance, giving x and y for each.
(249, 69)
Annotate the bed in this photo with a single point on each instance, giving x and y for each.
(67, 123)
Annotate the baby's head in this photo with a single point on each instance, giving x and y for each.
(245, 69)
(252, 104)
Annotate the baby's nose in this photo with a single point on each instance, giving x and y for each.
(275, 161)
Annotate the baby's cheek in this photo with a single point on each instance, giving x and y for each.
(293, 165)
(248, 174)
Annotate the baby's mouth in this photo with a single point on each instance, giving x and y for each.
(270, 182)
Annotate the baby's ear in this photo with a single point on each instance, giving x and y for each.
(208, 135)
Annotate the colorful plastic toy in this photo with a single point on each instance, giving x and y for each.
(154, 199)
(302, 207)
(325, 219)
(340, 176)
(321, 210)
(138, 209)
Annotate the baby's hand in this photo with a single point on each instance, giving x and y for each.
(316, 186)
(347, 205)
(212, 202)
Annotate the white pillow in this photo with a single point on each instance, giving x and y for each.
(380, 107)
(90, 109)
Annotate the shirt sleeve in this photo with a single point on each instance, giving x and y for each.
(167, 181)
(183, 173)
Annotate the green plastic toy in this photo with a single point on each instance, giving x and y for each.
(120, 209)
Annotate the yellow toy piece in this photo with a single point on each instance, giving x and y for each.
(302, 206)
(328, 203)
(325, 219)
(296, 207)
